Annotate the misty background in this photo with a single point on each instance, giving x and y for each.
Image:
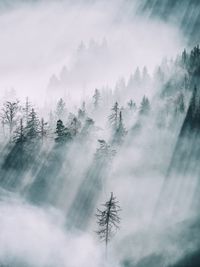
(99, 97)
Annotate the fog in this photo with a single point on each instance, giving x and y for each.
(98, 99)
(38, 39)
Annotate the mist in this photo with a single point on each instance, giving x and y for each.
(38, 39)
(99, 109)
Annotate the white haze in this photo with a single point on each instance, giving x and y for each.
(36, 42)
(38, 39)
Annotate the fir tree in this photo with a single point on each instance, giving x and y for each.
(121, 131)
(108, 219)
(20, 136)
(62, 133)
(144, 106)
(43, 129)
(113, 118)
(32, 128)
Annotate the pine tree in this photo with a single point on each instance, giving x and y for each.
(62, 133)
(121, 131)
(96, 98)
(20, 136)
(108, 220)
(113, 118)
(43, 129)
(32, 128)
(144, 106)
(60, 109)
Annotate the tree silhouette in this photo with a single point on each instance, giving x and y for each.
(108, 220)
(113, 118)
(9, 114)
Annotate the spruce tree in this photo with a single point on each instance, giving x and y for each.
(32, 128)
(108, 220)
(113, 118)
(62, 133)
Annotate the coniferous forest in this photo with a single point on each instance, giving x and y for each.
(99, 162)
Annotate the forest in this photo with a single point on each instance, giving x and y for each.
(70, 161)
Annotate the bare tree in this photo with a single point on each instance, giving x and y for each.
(9, 114)
(108, 220)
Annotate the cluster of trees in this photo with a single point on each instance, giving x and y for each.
(23, 127)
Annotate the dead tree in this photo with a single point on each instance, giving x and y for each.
(9, 114)
(108, 220)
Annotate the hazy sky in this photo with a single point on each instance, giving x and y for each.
(38, 39)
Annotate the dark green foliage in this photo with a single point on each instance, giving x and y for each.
(62, 133)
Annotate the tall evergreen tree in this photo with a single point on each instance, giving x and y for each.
(108, 219)
(43, 129)
(121, 131)
(32, 128)
(113, 118)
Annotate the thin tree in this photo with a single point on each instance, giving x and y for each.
(32, 128)
(96, 98)
(43, 129)
(27, 109)
(60, 109)
(108, 220)
(121, 130)
(113, 118)
(9, 114)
